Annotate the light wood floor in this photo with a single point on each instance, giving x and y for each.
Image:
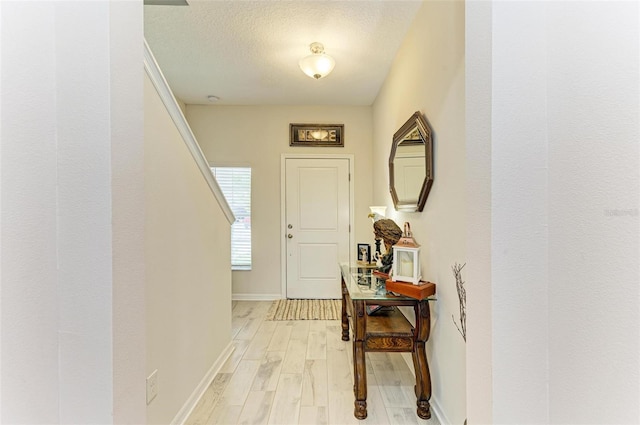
(299, 372)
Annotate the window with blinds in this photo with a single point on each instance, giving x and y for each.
(235, 183)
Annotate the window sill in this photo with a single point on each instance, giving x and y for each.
(240, 268)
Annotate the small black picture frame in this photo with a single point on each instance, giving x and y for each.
(364, 253)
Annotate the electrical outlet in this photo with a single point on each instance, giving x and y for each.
(152, 386)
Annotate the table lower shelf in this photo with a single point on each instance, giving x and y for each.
(389, 331)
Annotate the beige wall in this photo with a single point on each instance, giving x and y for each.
(257, 136)
(188, 279)
(428, 75)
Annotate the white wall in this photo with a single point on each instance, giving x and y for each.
(127, 156)
(428, 75)
(564, 168)
(519, 212)
(593, 96)
(71, 330)
(188, 262)
(478, 164)
(257, 136)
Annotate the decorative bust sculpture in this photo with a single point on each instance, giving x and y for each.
(387, 230)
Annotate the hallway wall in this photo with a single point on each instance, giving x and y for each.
(428, 75)
(187, 251)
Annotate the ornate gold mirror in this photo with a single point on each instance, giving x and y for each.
(411, 164)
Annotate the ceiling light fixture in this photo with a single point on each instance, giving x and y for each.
(213, 99)
(318, 64)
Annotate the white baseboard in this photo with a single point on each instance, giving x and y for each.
(437, 410)
(197, 394)
(435, 406)
(256, 297)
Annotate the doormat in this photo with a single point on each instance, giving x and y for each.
(305, 310)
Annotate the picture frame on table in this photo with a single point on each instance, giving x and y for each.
(364, 253)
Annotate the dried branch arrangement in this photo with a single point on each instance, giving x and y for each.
(462, 297)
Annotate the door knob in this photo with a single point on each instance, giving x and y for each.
(289, 235)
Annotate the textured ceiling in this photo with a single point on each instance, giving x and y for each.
(247, 52)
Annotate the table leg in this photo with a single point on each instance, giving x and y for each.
(345, 319)
(420, 364)
(359, 363)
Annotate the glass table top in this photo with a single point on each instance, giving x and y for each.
(362, 284)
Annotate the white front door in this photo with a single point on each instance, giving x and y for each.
(317, 216)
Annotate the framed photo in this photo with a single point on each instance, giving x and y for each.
(316, 135)
(364, 253)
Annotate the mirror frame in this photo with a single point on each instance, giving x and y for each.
(419, 121)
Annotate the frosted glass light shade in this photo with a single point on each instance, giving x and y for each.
(318, 64)
(381, 210)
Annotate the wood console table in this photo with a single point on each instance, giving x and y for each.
(389, 331)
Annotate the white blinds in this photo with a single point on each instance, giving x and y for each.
(235, 183)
